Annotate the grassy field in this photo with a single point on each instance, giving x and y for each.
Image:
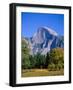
(41, 72)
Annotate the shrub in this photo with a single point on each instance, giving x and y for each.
(51, 67)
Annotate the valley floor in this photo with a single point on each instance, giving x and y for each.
(41, 72)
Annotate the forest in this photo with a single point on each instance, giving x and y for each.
(52, 61)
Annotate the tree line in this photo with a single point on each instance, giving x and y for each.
(53, 60)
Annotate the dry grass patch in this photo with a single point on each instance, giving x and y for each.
(40, 72)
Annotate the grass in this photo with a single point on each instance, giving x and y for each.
(41, 72)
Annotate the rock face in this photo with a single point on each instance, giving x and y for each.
(44, 40)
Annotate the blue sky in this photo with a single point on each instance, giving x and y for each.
(30, 22)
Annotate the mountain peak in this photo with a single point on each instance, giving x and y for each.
(52, 32)
(44, 40)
